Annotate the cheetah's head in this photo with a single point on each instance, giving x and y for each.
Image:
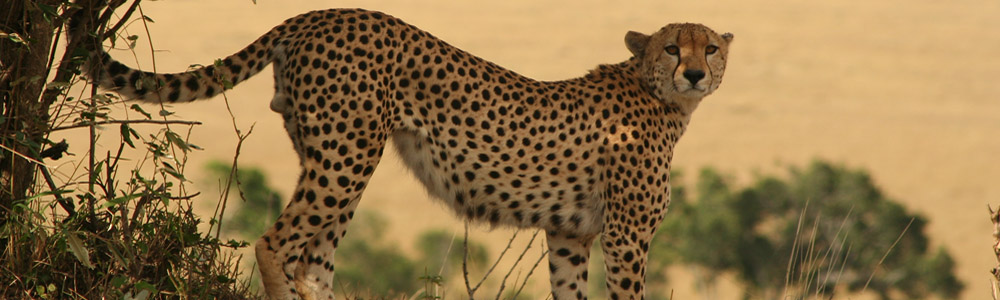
(680, 61)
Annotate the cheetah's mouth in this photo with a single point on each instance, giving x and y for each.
(689, 88)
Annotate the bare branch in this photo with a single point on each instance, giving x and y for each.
(503, 283)
(525, 281)
(87, 124)
(121, 22)
(67, 205)
(25, 157)
(495, 263)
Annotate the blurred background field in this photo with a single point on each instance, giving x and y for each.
(904, 89)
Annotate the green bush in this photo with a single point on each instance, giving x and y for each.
(823, 230)
(113, 223)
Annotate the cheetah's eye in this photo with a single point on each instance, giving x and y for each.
(673, 50)
(711, 49)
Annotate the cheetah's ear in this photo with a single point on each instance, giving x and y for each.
(636, 42)
(728, 37)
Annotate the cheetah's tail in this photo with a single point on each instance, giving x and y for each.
(199, 83)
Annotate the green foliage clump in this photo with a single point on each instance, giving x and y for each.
(824, 230)
(115, 221)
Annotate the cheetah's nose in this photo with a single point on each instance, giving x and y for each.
(694, 75)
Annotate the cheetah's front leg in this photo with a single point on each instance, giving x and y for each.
(628, 231)
(568, 256)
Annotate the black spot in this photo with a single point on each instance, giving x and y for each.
(626, 283)
(192, 83)
(116, 68)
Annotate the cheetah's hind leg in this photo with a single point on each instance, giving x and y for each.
(568, 256)
(296, 254)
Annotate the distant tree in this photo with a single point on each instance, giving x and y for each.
(372, 264)
(823, 230)
(262, 205)
(704, 234)
(440, 251)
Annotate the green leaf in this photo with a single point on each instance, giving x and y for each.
(13, 37)
(138, 108)
(122, 199)
(172, 171)
(46, 193)
(132, 41)
(79, 250)
(96, 171)
(127, 135)
(237, 244)
(57, 85)
(224, 279)
(142, 285)
(164, 113)
(47, 10)
(119, 281)
(148, 19)
(176, 139)
(103, 98)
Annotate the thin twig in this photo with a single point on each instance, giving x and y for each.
(497, 262)
(234, 171)
(465, 262)
(525, 281)
(887, 251)
(447, 253)
(25, 157)
(124, 19)
(843, 263)
(503, 283)
(805, 266)
(834, 251)
(92, 142)
(65, 204)
(105, 122)
(795, 247)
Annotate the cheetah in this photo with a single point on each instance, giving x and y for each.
(581, 158)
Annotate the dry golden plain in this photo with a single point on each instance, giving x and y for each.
(909, 90)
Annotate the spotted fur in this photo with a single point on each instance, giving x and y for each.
(580, 158)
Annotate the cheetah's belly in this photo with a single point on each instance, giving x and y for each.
(529, 191)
